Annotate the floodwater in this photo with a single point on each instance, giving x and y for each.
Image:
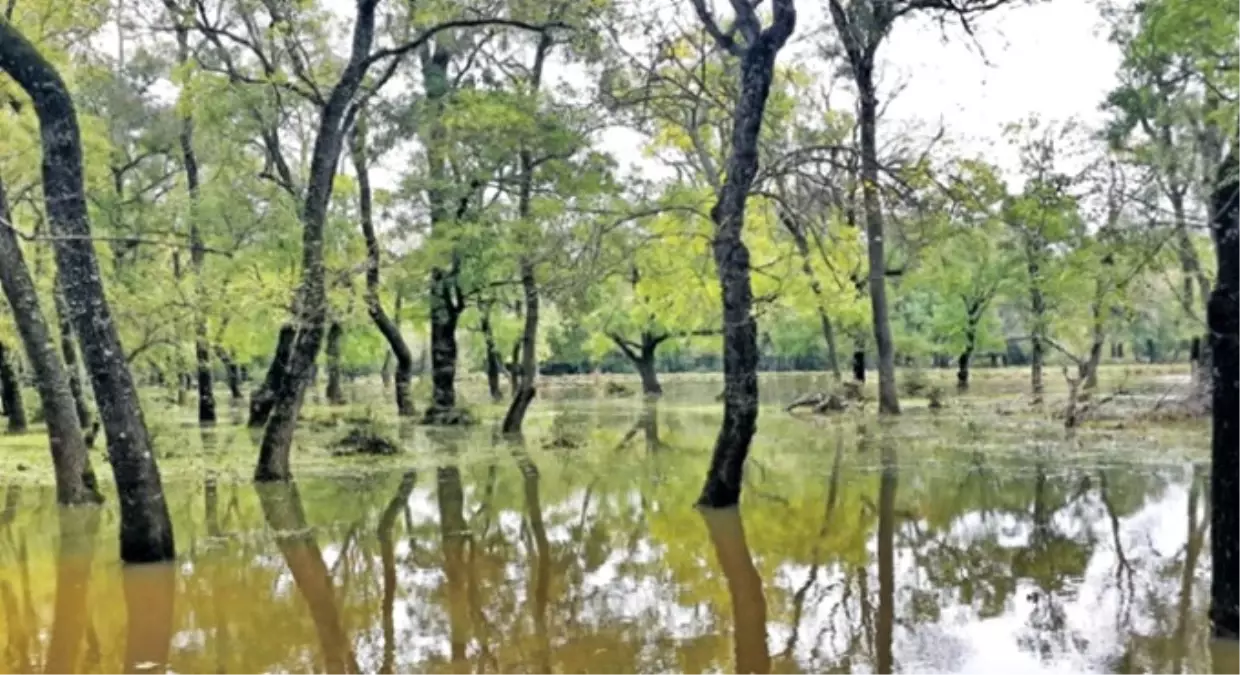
(856, 550)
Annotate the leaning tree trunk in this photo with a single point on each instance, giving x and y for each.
(1224, 320)
(389, 327)
(69, 350)
(335, 390)
(75, 480)
(145, 530)
(740, 329)
(11, 392)
(311, 297)
(263, 399)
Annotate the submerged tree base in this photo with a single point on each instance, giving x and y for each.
(448, 417)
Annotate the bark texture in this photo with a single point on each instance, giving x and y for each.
(75, 480)
(740, 330)
(145, 530)
(335, 386)
(1224, 320)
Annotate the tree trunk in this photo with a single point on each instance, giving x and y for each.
(529, 356)
(740, 330)
(643, 360)
(389, 327)
(1037, 304)
(262, 400)
(828, 333)
(11, 392)
(70, 614)
(858, 366)
(888, 398)
(310, 302)
(444, 314)
(69, 350)
(146, 530)
(387, 554)
(234, 374)
(335, 391)
(493, 360)
(150, 595)
(970, 343)
(1098, 330)
(1224, 320)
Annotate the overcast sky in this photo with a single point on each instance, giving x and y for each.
(1051, 59)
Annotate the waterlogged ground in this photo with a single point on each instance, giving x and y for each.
(977, 539)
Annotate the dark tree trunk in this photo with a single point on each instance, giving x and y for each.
(888, 397)
(69, 350)
(858, 366)
(234, 374)
(493, 361)
(146, 530)
(740, 331)
(642, 357)
(970, 343)
(542, 570)
(514, 368)
(1119, 350)
(1224, 320)
(524, 396)
(335, 390)
(749, 644)
(444, 315)
(526, 389)
(1151, 350)
(263, 399)
(198, 251)
(1037, 305)
(389, 327)
(310, 302)
(1089, 376)
(11, 392)
(285, 516)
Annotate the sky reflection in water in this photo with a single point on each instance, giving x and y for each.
(849, 555)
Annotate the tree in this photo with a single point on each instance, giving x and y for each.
(757, 51)
(75, 480)
(146, 531)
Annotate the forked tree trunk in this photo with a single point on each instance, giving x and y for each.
(740, 331)
(642, 357)
(1224, 320)
(389, 327)
(11, 392)
(335, 389)
(145, 529)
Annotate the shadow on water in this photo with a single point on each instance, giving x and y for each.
(857, 552)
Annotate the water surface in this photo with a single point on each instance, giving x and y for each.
(925, 546)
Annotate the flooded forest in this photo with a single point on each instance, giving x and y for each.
(540, 336)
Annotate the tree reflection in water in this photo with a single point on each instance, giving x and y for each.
(727, 534)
